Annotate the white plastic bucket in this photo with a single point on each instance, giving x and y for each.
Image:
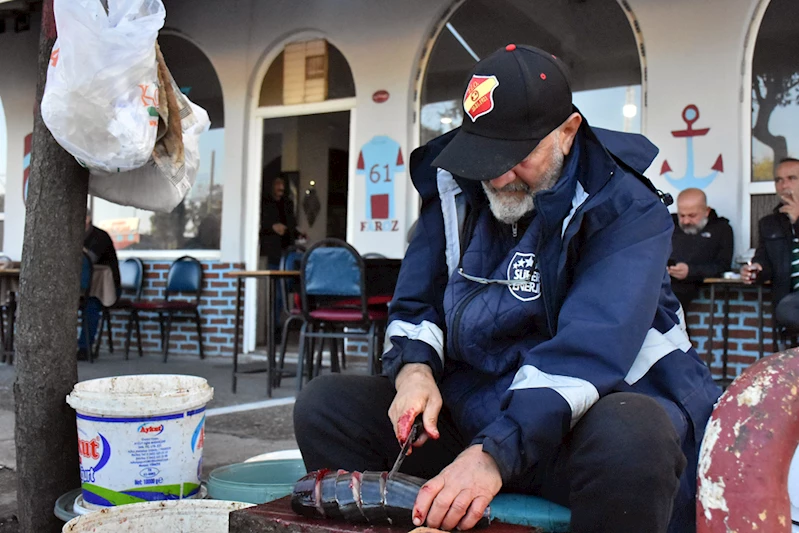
(185, 516)
(140, 438)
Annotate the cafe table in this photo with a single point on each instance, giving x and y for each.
(271, 277)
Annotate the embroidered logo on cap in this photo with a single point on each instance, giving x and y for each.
(479, 97)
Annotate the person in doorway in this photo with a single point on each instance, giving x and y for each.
(538, 340)
(776, 258)
(701, 246)
(278, 232)
(99, 248)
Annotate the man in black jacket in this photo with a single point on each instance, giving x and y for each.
(778, 247)
(278, 232)
(701, 245)
(99, 247)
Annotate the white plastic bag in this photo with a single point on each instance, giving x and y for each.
(150, 187)
(101, 97)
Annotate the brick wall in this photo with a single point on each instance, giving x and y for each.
(743, 332)
(217, 311)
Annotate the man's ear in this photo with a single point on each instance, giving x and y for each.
(568, 130)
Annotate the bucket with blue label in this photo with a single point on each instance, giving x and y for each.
(140, 438)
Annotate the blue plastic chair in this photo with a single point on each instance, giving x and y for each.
(291, 259)
(334, 297)
(185, 279)
(131, 282)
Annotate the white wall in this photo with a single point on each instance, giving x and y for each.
(694, 55)
(18, 91)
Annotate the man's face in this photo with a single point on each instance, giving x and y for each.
(278, 189)
(786, 180)
(511, 194)
(692, 213)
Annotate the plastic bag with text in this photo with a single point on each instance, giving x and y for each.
(159, 185)
(101, 97)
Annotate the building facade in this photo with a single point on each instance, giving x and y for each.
(333, 96)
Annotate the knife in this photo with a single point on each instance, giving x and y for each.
(416, 429)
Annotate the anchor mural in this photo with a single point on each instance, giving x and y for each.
(690, 115)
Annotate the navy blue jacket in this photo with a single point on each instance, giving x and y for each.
(519, 365)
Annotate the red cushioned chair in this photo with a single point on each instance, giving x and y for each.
(291, 259)
(333, 272)
(185, 279)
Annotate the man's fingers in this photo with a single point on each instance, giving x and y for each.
(475, 513)
(420, 440)
(430, 417)
(441, 506)
(425, 498)
(457, 510)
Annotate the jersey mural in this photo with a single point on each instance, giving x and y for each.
(690, 115)
(381, 164)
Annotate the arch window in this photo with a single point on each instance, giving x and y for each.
(775, 103)
(594, 39)
(196, 222)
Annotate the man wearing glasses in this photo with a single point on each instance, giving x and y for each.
(533, 328)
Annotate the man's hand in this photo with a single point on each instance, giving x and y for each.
(460, 493)
(417, 393)
(279, 228)
(790, 207)
(679, 271)
(750, 271)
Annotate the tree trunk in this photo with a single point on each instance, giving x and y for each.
(766, 105)
(46, 364)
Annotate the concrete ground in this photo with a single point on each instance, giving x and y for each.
(255, 426)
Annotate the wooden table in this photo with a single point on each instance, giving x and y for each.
(9, 280)
(726, 285)
(271, 277)
(277, 517)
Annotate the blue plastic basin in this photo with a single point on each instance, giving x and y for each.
(257, 482)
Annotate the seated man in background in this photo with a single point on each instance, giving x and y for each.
(701, 245)
(99, 247)
(777, 256)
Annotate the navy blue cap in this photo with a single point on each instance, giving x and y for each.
(514, 98)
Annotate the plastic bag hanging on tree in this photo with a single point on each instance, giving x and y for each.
(101, 97)
(163, 182)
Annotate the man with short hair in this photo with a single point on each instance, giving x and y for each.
(777, 256)
(701, 246)
(532, 329)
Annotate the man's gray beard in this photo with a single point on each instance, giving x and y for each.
(509, 209)
(691, 229)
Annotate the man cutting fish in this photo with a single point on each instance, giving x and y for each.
(533, 328)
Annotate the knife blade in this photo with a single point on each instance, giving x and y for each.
(417, 427)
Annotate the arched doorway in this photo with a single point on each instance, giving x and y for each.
(301, 134)
(775, 103)
(196, 222)
(594, 39)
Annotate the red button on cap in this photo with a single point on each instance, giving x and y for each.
(510, 47)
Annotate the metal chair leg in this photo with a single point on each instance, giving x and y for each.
(301, 356)
(199, 332)
(128, 332)
(138, 334)
(370, 350)
(166, 335)
(107, 318)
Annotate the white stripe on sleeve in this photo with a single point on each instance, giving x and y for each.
(578, 393)
(427, 332)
